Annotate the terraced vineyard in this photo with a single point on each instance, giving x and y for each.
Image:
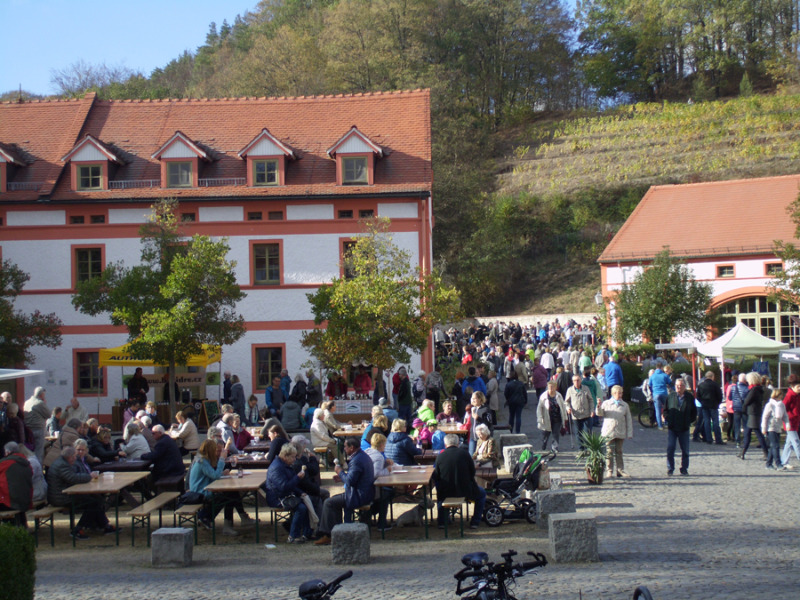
(646, 144)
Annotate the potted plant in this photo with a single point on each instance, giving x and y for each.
(593, 456)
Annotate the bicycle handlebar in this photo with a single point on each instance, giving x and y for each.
(340, 579)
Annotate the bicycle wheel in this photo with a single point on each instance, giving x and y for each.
(647, 415)
(642, 593)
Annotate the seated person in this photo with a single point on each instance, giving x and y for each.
(380, 425)
(399, 447)
(137, 444)
(377, 411)
(69, 433)
(331, 423)
(226, 427)
(144, 422)
(166, 457)
(241, 437)
(16, 481)
(100, 446)
(454, 477)
(359, 490)
(448, 414)
(421, 433)
(437, 436)
(39, 483)
(426, 411)
(321, 436)
(53, 425)
(381, 466)
(208, 466)
(252, 415)
(311, 484)
(63, 474)
(277, 438)
(486, 450)
(283, 489)
(152, 411)
(92, 427)
(390, 413)
(185, 433)
(290, 414)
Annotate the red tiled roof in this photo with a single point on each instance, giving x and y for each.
(397, 121)
(722, 218)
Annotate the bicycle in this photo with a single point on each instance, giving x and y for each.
(647, 415)
(316, 589)
(493, 581)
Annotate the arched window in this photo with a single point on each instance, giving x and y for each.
(770, 319)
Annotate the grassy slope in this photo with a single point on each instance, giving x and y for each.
(643, 144)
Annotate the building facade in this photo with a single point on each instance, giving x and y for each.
(285, 180)
(725, 232)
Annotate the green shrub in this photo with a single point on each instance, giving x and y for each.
(18, 557)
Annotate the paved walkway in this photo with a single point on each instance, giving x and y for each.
(729, 530)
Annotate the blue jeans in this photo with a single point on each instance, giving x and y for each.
(659, 400)
(773, 454)
(792, 441)
(673, 439)
(300, 524)
(583, 425)
(737, 427)
(514, 418)
(759, 437)
(711, 422)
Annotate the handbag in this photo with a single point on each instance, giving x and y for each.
(290, 502)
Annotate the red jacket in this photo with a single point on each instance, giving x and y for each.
(792, 402)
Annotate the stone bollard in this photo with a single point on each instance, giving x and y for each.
(350, 544)
(172, 547)
(511, 455)
(510, 439)
(553, 502)
(573, 537)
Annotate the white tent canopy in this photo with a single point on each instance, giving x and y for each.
(741, 340)
(17, 373)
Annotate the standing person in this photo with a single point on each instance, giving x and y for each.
(226, 387)
(435, 385)
(550, 415)
(454, 477)
(660, 386)
(36, 415)
(738, 392)
(237, 396)
(516, 398)
(710, 397)
(478, 414)
(772, 422)
(405, 399)
(362, 384)
(273, 398)
(539, 378)
(613, 372)
(679, 412)
(792, 403)
(617, 427)
(752, 408)
(493, 394)
(358, 490)
(286, 383)
(580, 405)
(138, 386)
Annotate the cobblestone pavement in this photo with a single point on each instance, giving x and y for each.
(726, 531)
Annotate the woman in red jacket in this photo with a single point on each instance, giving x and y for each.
(792, 402)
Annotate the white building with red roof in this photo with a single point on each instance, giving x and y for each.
(286, 180)
(725, 232)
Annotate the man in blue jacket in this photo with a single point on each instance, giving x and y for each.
(660, 385)
(613, 372)
(358, 490)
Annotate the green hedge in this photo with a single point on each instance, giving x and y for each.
(18, 557)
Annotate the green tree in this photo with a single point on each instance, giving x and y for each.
(19, 332)
(662, 302)
(182, 294)
(786, 283)
(381, 310)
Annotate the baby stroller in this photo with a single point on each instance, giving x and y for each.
(504, 497)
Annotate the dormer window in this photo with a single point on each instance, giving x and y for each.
(90, 161)
(266, 159)
(355, 158)
(179, 174)
(180, 161)
(9, 160)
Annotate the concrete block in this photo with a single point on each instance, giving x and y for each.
(553, 502)
(511, 455)
(573, 537)
(172, 547)
(509, 439)
(350, 544)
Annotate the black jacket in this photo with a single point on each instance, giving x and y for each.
(709, 394)
(166, 458)
(454, 474)
(680, 418)
(753, 405)
(515, 393)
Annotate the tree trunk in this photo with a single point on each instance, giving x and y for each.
(171, 395)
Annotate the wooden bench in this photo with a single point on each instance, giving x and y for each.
(188, 514)
(322, 452)
(12, 515)
(453, 506)
(278, 514)
(44, 516)
(141, 514)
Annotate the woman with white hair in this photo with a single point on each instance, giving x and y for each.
(320, 436)
(486, 451)
(137, 444)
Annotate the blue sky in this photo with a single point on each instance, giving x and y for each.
(41, 35)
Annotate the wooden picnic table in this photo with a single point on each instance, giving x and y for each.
(407, 476)
(106, 483)
(248, 484)
(453, 428)
(247, 461)
(122, 465)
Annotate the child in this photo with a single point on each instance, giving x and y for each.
(421, 433)
(772, 420)
(437, 436)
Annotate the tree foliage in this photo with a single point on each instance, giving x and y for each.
(181, 295)
(663, 301)
(381, 310)
(19, 332)
(786, 283)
